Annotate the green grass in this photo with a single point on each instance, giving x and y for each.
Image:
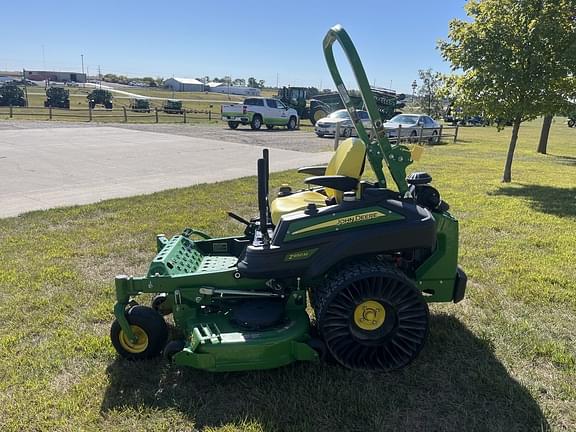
(502, 360)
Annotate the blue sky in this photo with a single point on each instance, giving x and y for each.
(237, 38)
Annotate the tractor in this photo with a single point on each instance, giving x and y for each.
(173, 106)
(387, 102)
(365, 257)
(100, 97)
(11, 95)
(57, 97)
(140, 105)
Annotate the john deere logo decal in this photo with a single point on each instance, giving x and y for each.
(359, 218)
(347, 221)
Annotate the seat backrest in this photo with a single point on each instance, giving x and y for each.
(348, 160)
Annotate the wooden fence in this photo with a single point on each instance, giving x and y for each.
(414, 135)
(123, 114)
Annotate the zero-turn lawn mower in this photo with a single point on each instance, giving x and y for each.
(366, 258)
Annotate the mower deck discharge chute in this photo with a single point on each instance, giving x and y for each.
(366, 258)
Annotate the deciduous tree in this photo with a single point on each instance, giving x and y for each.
(513, 54)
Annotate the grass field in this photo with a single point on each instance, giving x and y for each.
(502, 360)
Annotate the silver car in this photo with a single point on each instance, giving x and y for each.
(327, 126)
(412, 125)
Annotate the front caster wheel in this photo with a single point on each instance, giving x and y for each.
(150, 330)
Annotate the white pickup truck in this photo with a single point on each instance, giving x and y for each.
(259, 111)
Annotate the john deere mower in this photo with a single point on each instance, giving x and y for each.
(365, 258)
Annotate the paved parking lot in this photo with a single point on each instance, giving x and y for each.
(44, 165)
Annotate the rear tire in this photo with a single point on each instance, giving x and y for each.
(371, 316)
(233, 125)
(148, 326)
(256, 122)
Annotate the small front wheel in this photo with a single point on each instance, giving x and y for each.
(233, 125)
(150, 330)
(269, 126)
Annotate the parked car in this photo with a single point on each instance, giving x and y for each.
(411, 125)
(327, 125)
(259, 111)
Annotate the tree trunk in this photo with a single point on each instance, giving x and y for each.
(507, 176)
(543, 144)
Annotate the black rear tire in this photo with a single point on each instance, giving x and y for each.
(371, 317)
(233, 125)
(150, 328)
(256, 122)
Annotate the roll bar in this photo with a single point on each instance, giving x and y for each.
(379, 150)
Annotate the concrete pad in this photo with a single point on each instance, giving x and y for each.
(45, 168)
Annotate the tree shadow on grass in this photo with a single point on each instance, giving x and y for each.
(456, 385)
(545, 199)
(564, 160)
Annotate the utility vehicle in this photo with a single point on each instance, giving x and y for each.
(259, 111)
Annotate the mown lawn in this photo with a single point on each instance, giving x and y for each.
(502, 360)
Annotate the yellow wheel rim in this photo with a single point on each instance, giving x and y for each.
(319, 115)
(369, 315)
(134, 347)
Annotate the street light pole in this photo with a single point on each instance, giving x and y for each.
(82, 57)
(427, 82)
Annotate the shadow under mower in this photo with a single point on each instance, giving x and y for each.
(366, 258)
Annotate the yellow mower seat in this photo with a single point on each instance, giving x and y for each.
(348, 160)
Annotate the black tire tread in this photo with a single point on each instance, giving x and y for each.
(335, 282)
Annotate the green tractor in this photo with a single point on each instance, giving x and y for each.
(173, 106)
(100, 97)
(365, 257)
(57, 97)
(387, 102)
(11, 95)
(140, 105)
(307, 108)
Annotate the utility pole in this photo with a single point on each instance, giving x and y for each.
(25, 86)
(82, 57)
(100, 76)
(277, 85)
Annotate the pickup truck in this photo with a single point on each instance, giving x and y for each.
(259, 111)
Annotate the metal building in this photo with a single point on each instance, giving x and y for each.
(55, 76)
(184, 84)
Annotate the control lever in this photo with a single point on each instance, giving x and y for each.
(238, 218)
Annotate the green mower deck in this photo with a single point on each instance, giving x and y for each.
(365, 258)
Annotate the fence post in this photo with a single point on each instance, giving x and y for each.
(89, 112)
(50, 112)
(11, 113)
(421, 134)
(125, 115)
(399, 132)
(209, 115)
(440, 134)
(184, 116)
(156, 111)
(456, 133)
(337, 136)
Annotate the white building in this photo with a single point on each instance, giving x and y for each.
(184, 84)
(218, 87)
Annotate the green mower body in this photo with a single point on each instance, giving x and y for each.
(366, 260)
